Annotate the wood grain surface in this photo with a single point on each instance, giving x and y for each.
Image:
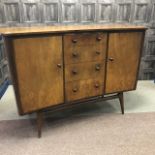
(88, 47)
(123, 59)
(85, 70)
(85, 59)
(84, 88)
(40, 80)
(69, 28)
(51, 69)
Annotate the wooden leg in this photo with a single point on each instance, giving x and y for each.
(39, 122)
(120, 95)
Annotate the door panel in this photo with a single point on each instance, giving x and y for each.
(123, 59)
(39, 71)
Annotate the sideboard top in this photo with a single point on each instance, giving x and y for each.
(7, 31)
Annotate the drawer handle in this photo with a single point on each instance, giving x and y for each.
(74, 90)
(98, 38)
(97, 67)
(74, 54)
(96, 85)
(74, 40)
(74, 71)
(98, 52)
(59, 65)
(111, 59)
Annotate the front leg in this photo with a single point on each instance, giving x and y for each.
(39, 123)
(121, 100)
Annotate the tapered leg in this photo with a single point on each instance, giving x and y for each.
(39, 122)
(121, 100)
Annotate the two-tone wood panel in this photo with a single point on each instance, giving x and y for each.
(85, 57)
(39, 66)
(123, 59)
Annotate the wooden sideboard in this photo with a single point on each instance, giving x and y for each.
(62, 66)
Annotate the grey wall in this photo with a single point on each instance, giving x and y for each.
(49, 12)
(4, 73)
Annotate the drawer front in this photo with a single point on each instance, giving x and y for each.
(77, 90)
(84, 47)
(83, 39)
(83, 71)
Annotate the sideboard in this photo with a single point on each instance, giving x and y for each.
(60, 66)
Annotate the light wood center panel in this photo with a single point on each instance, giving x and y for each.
(85, 59)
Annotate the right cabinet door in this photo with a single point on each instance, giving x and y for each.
(123, 58)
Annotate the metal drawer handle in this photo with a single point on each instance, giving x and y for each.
(111, 59)
(74, 71)
(97, 67)
(74, 90)
(74, 40)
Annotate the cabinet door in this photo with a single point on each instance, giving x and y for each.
(38, 62)
(123, 60)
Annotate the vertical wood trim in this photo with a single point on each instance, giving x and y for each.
(141, 50)
(10, 57)
(63, 59)
(106, 60)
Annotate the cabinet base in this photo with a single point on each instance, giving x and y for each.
(101, 98)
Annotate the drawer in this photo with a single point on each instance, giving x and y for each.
(86, 48)
(82, 39)
(83, 89)
(83, 71)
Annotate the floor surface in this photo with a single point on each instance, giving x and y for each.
(102, 134)
(89, 129)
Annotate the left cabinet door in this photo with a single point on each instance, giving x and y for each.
(39, 71)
